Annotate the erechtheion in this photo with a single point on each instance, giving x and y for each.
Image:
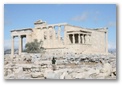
(74, 39)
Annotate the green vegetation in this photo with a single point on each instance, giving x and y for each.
(34, 47)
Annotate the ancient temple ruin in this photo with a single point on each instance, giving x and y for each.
(80, 53)
(70, 39)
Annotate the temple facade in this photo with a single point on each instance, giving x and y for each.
(63, 37)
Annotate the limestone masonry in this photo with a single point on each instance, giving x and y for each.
(68, 38)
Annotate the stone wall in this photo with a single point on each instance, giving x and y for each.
(96, 44)
(76, 39)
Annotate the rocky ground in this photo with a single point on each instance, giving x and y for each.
(68, 66)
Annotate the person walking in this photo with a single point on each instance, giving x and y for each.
(53, 64)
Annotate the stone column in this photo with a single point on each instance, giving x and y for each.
(20, 44)
(87, 38)
(68, 39)
(73, 38)
(106, 42)
(54, 36)
(48, 38)
(12, 46)
(48, 35)
(79, 40)
(82, 39)
(65, 37)
(59, 30)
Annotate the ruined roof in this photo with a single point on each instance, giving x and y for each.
(95, 29)
(25, 29)
(103, 29)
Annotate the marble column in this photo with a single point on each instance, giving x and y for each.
(59, 31)
(54, 33)
(65, 36)
(83, 39)
(87, 39)
(73, 38)
(54, 36)
(12, 46)
(106, 42)
(48, 38)
(48, 35)
(20, 44)
(68, 39)
(79, 40)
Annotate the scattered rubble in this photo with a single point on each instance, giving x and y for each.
(68, 66)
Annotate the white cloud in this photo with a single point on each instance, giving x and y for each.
(82, 17)
(94, 15)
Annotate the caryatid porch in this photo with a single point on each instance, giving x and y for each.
(79, 37)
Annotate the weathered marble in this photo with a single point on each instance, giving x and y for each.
(75, 39)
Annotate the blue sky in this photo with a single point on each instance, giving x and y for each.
(17, 16)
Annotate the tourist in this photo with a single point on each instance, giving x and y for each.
(53, 64)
